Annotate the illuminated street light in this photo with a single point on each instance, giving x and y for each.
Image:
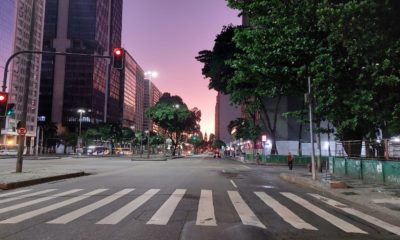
(80, 111)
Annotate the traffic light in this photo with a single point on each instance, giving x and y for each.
(10, 109)
(118, 58)
(3, 103)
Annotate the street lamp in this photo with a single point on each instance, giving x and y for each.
(80, 111)
(148, 143)
(133, 130)
(151, 74)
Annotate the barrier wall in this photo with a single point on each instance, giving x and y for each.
(371, 171)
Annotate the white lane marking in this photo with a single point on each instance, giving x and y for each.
(390, 200)
(87, 209)
(246, 215)
(267, 186)
(26, 195)
(162, 216)
(37, 212)
(13, 193)
(387, 226)
(39, 200)
(123, 212)
(284, 212)
(233, 183)
(246, 166)
(205, 211)
(345, 226)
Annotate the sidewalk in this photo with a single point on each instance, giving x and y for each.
(9, 179)
(378, 197)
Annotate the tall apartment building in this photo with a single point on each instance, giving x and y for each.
(151, 96)
(21, 24)
(69, 83)
(225, 112)
(133, 94)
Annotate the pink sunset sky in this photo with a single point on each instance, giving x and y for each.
(166, 35)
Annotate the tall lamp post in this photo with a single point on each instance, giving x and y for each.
(148, 143)
(133, 130)
(80, 111)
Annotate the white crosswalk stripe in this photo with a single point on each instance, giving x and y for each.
(284, 212)
(39, 200)
(123, 212)
(34, 213)
(14, 193)
(162, 216)
(246, 215)
(85, 210)
(387, 226)
(345, 226)
(205, 211)
(26, 195)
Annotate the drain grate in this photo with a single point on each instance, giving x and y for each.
(350, 193)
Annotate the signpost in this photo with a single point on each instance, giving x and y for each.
(21, 131)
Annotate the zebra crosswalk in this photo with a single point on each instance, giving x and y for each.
(206, 208)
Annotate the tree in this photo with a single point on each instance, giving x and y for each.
(172, 114)
(215, 63)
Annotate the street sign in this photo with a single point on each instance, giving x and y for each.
(21, 131)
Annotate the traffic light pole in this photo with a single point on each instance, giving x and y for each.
(21, 138)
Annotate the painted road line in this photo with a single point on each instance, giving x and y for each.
(205, 211)
(345, 226)
(389, 200)
(162, 216)
(14, 193)
(246, 166)
(123, 212)
(245, 213)
(284, 212)
(69, 217)
(387, 226)
(26, 195)
(39, 200)
(37, 212)
(233, 183)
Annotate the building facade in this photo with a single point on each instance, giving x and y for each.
(21, 23)
(133, 94)
(69, 83)
(151, 96)
(225, 112)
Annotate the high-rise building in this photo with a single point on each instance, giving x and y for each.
(133, 94)
(151, 96)
(225, 112)
(21, 24)
(70, 83)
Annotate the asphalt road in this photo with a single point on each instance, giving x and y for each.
(189, 198)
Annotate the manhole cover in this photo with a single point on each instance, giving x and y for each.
(350, 193)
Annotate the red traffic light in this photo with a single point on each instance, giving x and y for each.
(118, 58)
(3, 97)
(118, 51)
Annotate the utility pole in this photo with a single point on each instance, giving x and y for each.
(21, 138)
(311, 129)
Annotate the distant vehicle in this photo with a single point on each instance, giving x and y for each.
(9, 150)
(123, 151)
(98, 150)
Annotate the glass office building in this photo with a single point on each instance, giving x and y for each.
(70, 83)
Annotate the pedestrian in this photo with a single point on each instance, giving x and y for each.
(258, 159)
(290, 161)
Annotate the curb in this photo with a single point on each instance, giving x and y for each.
(12, 185)
(317, 185)
(149, 160)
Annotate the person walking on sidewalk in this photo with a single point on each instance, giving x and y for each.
(258, 159)
(290, 161)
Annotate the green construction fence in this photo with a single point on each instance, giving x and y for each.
(368, 170)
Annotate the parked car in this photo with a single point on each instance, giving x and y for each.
(98, 150)
(9, 150)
